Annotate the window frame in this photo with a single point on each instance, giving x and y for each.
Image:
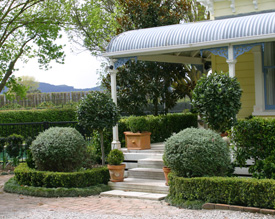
(265, 69)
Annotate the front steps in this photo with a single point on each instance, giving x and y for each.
(145, 177)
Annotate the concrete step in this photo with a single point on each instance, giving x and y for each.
(141, 185)
(130, 165)
(150, 163)
(146, 173)
(147, 151)
(137, 156)
(138, 195)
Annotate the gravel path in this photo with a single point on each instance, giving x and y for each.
(18, 206)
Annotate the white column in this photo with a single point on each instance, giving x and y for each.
(231, 61)
(115, 143)
(259, 81)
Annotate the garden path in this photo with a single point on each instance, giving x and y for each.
(19, 206)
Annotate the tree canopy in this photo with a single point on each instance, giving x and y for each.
(28, 29)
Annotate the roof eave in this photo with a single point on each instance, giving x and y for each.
(190, 47)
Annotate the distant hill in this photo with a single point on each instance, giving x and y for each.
(48, 88)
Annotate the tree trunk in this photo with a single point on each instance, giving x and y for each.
(102, 148)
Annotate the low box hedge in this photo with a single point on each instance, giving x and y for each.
(225, 190)
(81, 179)
(12, 186)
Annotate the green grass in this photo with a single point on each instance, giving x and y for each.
(12, 186)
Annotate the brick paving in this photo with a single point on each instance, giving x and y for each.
(16, 206)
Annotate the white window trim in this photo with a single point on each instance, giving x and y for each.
(259, 107)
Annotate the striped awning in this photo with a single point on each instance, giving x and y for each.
(189, 36)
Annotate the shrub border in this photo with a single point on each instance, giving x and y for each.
(86, 178)
(11, 186)
(248, 192)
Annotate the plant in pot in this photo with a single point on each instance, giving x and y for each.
(116, 169)
(166, 169)
(217, 99)
(138, 138)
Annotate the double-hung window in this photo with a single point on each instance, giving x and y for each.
(269, 75)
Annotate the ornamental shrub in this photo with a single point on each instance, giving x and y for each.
(59, 149)
(115, 157)
(79, 179)
(196, 153)
(255, 139)
(14, 145)
(138, 124)
(217, 98)
(224, 190)
(97, 111)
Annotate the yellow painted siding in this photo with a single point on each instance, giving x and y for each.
(222, 8)
(245, 75)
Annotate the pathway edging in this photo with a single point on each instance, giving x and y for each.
(212, 206)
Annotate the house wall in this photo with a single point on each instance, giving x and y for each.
(223, 8)
(246, 77)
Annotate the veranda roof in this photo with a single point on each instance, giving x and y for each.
(193, 36)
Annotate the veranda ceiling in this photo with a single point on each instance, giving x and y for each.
(182, 41)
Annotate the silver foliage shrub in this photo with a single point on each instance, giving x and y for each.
(59, 149)
(197, 152)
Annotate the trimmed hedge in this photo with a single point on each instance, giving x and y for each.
(49, 115)
(255, 139)
(225, 190)
(12, 186)
(162, 126)
(23, 116)
(81, 179)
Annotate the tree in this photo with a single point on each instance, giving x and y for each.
(217, 98)
(97, 111)
(153, 83)
(30, 83)
(28, 29)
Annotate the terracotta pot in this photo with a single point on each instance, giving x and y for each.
(116, 172)
(137, 141)
(166, 171)
(224, 134)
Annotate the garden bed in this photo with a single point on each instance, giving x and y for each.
(224, 190)
(12, 186)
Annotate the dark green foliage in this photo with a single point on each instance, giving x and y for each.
(197, 152)
(115, 157)
(137, 124)
(255, 139)
(225, 190)
(12, 186)
(59, 149)
(22, 116)
(97, 111)
(161, 127)
(81, 179)
(14, 145)
(217, 98)
(2, 144)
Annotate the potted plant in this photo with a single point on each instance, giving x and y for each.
(137, 138)
(116, 169)
(166, 169)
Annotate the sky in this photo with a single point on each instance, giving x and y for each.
(79, 70)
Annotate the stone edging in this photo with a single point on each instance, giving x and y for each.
(210, 206)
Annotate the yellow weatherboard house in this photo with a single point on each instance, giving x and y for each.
(239, 39)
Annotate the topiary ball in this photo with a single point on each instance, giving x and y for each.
(59, 149)
(115, 157)
(196, 153)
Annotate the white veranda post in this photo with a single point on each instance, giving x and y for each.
(115, 143)
(231, 61)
